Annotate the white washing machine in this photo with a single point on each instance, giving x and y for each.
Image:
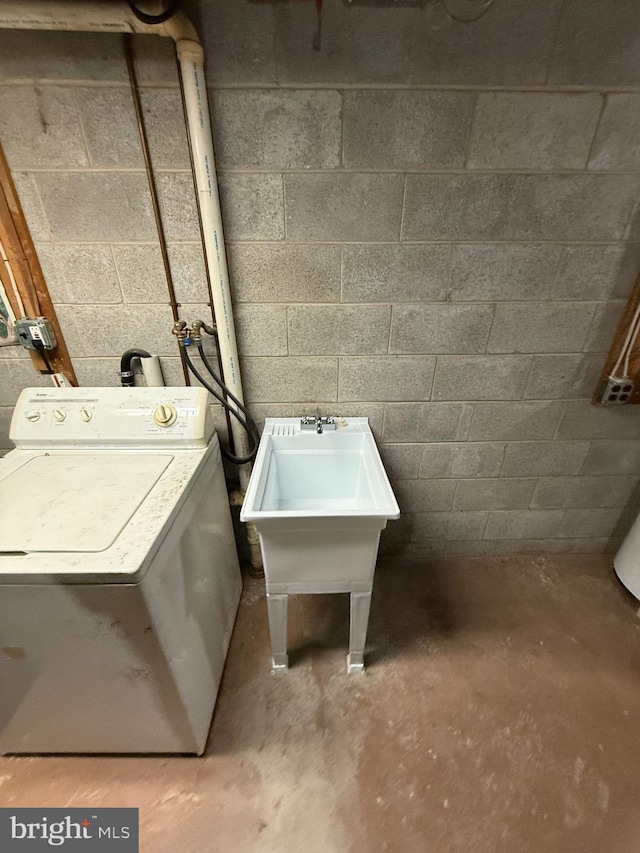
(119, 576)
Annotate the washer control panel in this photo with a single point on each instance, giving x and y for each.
(112, 417)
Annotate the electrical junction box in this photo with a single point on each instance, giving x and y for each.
(35, 333)
(615, 390)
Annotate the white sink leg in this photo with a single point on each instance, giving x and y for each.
(277, 608)
(360, 603)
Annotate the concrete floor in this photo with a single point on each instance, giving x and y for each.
(500, 712)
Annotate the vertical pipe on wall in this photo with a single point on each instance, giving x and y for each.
(153, 190)
(191, 61)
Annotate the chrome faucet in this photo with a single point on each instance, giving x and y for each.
(317, 423)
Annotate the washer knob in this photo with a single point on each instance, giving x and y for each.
(85, 415)
(59, 415)
(164, 415)
(33, 416)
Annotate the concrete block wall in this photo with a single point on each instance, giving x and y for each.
(429, 223)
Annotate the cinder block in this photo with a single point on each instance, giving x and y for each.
(386, 378)
(533, 130)
(166, 128)
(596, 44)
(143, 279)
(18, 374)
(261, 329)
(582, 420)
(141, 273)
(558, 377)
(615, 144)
(178, 206)
(448, 525)
(544, 458)
(365, 44)
(155, 61)
(551, 546)
(612, 456)
(587, 492)
(284, 380)
(494, 494)
(13, 351)
(252, 206)
(596, 272)
(79, 274)
(41, 127)
(424, 495)
(395, 273)
(462, 460)
(541, 327)
(516, 421)
(53, 55)
(97, 206)
(417, 422)
(604, 325)
(358, 45)
(406, 129)
(440, 328)
(401, 461)
(508, 46)
(99, 372)
(518, 207)
(187, 268)
(279, 272)
(271, 129)
(577, 523)
(239, 41)
(524, 524)
(31, 204)
(89, 332)
(479, 377)
(110, 129)
(339, 329)
(488, 272)
(343, 207)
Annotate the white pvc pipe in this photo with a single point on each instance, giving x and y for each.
(92, 16)
(191, 58)
(88, 16)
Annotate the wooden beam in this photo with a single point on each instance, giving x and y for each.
(616, 347)
(32, 287)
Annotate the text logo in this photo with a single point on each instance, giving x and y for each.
(73, 830)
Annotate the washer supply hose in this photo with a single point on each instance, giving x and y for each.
(126, 373)
(247, 422)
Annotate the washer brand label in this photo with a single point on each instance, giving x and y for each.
(79, 830)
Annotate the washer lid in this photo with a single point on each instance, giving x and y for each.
(74, 502)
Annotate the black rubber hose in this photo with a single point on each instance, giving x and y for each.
(249, 425)
(126, 373)
(155, 19)
(227, 393)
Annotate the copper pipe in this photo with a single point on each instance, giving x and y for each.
(153, 190)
